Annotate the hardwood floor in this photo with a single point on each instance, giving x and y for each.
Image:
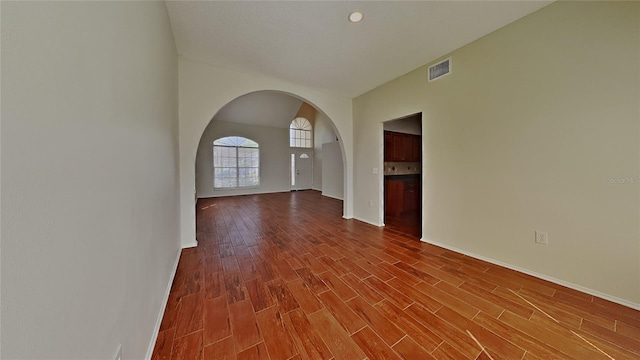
(408, 223)
(283, 276)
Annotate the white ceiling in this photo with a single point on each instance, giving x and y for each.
(263, 108)
(311, 42)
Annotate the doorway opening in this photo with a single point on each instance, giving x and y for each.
(403, 175)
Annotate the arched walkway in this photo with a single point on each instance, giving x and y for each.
(205, 89)
(265, 117)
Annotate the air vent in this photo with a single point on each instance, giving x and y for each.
(439, 70)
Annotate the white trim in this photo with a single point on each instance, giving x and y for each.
(297, 153)
(368, 222)
(190, 245)
(156, 329)
(242, 194)
(573, 286)
(333, 197)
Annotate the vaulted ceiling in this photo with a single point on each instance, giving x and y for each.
(312, 43)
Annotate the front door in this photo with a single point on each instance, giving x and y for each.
(301, 169)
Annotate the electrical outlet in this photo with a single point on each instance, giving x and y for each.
(370, 203)
(119, 353)
(542, 237)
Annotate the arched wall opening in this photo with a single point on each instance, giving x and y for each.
(265, 117)
(205, 89)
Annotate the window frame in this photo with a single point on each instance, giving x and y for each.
(239, 141)
(300, 126)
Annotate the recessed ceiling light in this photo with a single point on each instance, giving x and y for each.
(356, 16)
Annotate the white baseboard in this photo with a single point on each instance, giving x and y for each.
(209, 196)
(333, 197)
(190, 245)
(368, 222)
(573, 286)
(156, 329)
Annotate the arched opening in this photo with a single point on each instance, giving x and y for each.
(269, 118)
(203, 92)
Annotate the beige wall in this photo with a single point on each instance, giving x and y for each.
(332, 177)
(90, 201)
(307, 111)
(323, 133)
(526, 134)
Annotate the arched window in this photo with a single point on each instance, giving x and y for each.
(236, 163)
(300, 133)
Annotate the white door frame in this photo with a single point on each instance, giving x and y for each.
(297, 152)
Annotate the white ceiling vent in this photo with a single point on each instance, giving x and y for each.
(439, 70)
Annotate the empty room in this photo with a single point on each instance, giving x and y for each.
(320, 180)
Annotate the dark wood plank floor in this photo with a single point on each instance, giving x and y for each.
(408, 223)
(283, 276)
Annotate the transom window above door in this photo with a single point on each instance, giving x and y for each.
(236, 163)
(300, 133)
